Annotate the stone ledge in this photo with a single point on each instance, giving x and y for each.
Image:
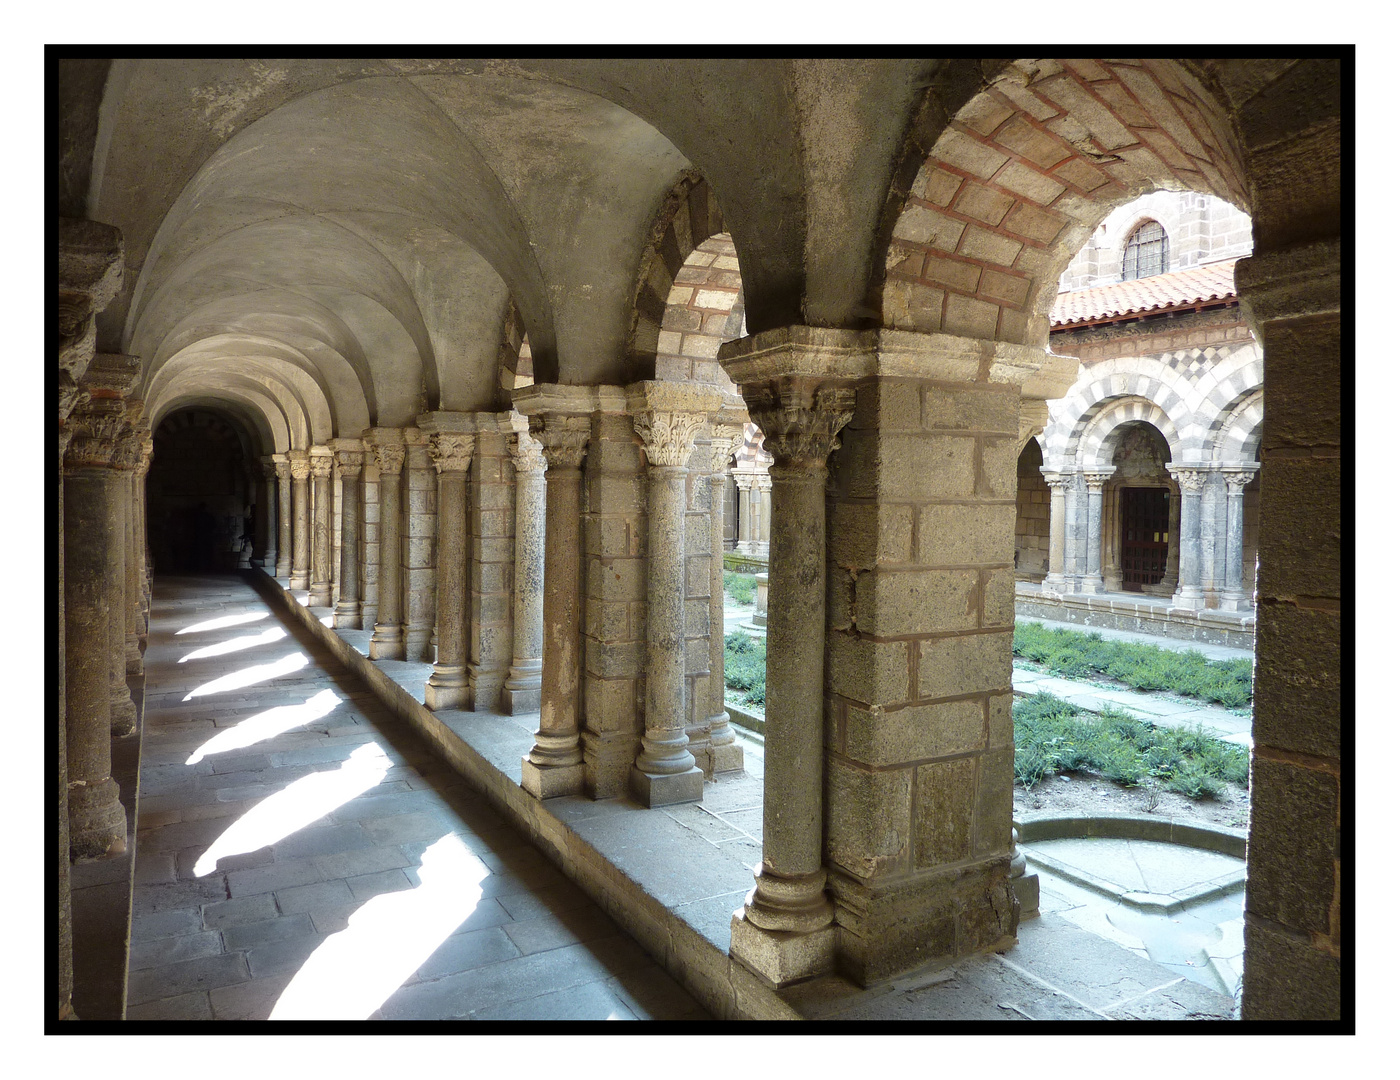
(615, 851)
(1210, 626)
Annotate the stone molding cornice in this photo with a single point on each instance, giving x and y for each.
(558, 399)
(451, 451)
(563, 439)
(112, 375)
(300, 464)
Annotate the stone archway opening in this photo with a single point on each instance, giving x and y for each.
(200, 493)
(1140, 535)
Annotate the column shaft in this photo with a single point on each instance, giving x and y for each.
(1093, 533)
(118, 479)
(447, 686)
(1055, 579)
(284, 516)
(300, 464)
(347, 609)
(1189, 593)
(387, 642)
(726, 754)
(521, 693)
(323, 509)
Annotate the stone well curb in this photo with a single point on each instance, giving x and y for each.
(1137, 827)
(722, 985)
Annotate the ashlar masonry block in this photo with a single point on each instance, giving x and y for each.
(891, 603)
(874, 672)
(867, 817)
(944, 796)
(880, 737)
(862, 534)
(961, 534)
(965, 664)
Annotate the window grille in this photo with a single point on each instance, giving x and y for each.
(1145, 254)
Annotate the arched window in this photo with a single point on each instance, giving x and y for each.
(1145, 253)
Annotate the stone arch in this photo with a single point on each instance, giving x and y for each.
(1022, 174)
(704, 309)
(259, 412)
(516, 361)
(1148, 382)
(1234, 437)
(689, 215)
(1225, 385)
(1102, 431)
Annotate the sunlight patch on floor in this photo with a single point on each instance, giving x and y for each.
(250, 675)
(223, 621)
(297, 805)
(353, 972)
(267, 725)
(238, 644)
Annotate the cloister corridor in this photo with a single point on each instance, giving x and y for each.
(302, 854)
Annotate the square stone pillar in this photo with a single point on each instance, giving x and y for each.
(1294, 957)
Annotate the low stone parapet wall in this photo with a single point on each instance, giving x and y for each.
(1211, 627)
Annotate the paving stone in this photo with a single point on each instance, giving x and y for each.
(591, 1001)
(366, 886)
(185, 861)
(252, 1000)
(326, 840)
(184, 894)
(281, 955)
(307, 898)
(362, 860)
(157, 952)
(243, 910)
(191, 1006)
(553, 900)
(169, 980)
(473, 949)
(582, 924)
(282, 874)
(247, 935)
(651, 994)
(146, 926)
(401, 828)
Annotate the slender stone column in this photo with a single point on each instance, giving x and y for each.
(1055, 579)
(349, 459)
(96, 818)
(132, 606)
(554, 765)
(1093, 532)
(125, 457)
(268, 497)
(448, 686)
(1237, 478)
(725, 752)
(764, 484)
(786, 928)
(667, 416)
(321, 463)
(417, 540)
(521, 692)
(143, 538)
(1169, 579)
(1192, 480)
(744, 482)
(283, 467)
(299, 461)
(387, 643)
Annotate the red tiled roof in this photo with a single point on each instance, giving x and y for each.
(1163, 292)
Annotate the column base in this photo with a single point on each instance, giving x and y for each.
(447, 690)
(96, 821)
(418, 644)
(727, 758)
(485, 685)
(550, 781)
(124, 716)
(299, 582)
(347, 616)
(1236, 603)
(387, 644)
(1180, 602)
(781, 957)
(517, 702)
(667, 789)
(1027, 890)
(320, 595)
(282, 570)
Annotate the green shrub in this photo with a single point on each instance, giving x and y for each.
(1144, 667)
(739, 586)
(745, 666)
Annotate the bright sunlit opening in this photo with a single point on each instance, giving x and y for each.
(237, 644)
(355, 971)
(297, 805)
(223, 621)
(250, 675)
(267, 725)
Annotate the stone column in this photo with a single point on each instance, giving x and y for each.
(96, 818)
(349, 459)
(521, 693)
(1237, 478)
(1192, 480)
(143, 538)
(387, 643)
(667, 416)
(554, 765)
(786, 930)
(452, 455)
(764, 485)
(282, 465)
(725, 752)
(1093, 531)
(744, 482)
(1169, 579)
(131, 500)
(416, 546)
(1059, 482)
(321, 463)
(299, 461)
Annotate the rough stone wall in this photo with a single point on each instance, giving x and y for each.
(1032, 516)
(491, 569)
(919, 618)
(615, 602)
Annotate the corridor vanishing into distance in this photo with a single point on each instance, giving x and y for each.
(301, 854)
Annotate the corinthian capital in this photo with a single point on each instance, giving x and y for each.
(451, 450)
(1191, 481)
(725, 441)
(300, 464)
(800, 417)
(668, 416)
(321, 465)
(386, 444)
(95, 432)
(349, 456)
(527, 452)
(564, 439)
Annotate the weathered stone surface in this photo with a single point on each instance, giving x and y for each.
(969, 664)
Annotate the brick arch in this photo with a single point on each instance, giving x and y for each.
(704, 309)
(689, 215)
(1234, 436)
(1099, 439)
(1022, 175)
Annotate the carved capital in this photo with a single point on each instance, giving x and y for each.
(668, 437)
(527, 452)
(320, 465)
(1191, 481)
(386, 445)
(1237, 478)
(282, 466)
(349, 461)
(127, 454)
(1057, 481)
(564, 439)
(725, 440)
(300, 464)
(800, 417)
(1095, 480)
(451, 451)
(95, 432)
(744, 481)
(70, 395)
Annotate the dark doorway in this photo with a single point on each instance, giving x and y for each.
(1145, 513)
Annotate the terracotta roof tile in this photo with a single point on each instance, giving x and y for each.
(1201, 283)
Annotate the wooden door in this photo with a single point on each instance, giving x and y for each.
(1145, 513)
